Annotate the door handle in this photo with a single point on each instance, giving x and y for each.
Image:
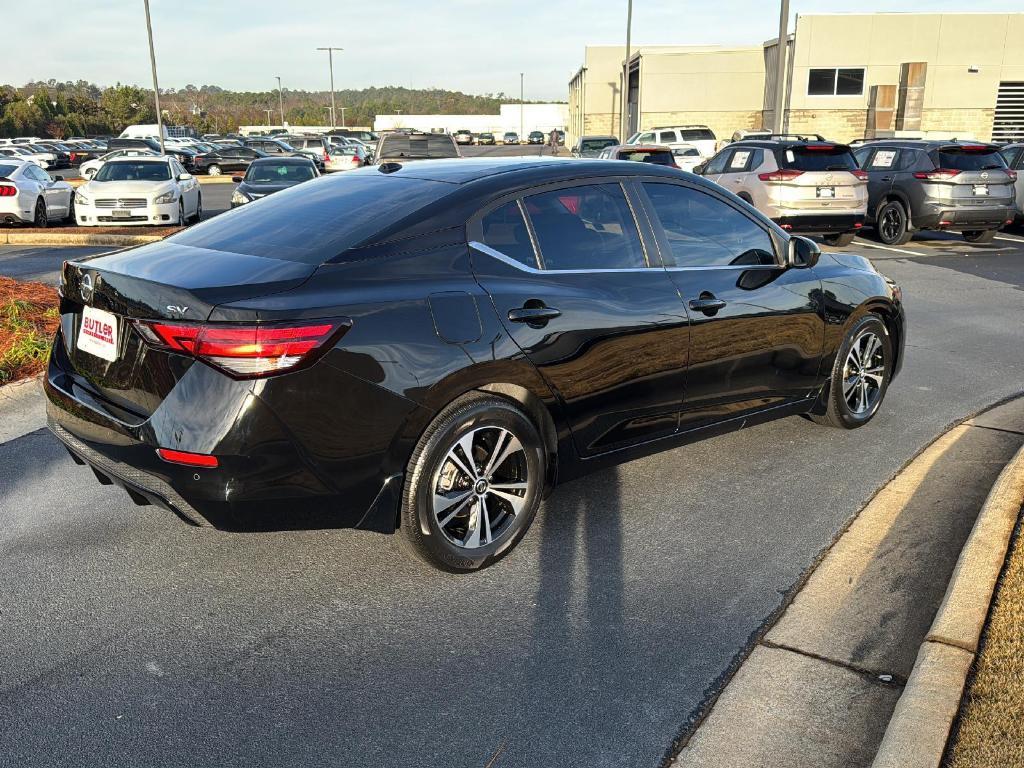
(706, 303)
(535, 316)
(887, 178)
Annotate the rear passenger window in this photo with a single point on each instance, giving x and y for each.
(667, 137)
(505, 230)
(587, 227)
(703, 231)
(884, 160)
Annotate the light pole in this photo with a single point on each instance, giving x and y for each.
(522, 122)
(330, 63)
(342, 115)
(778, 123)
(280, 99)
(156, 87)
(624, 120)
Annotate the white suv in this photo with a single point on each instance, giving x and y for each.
(678, 137)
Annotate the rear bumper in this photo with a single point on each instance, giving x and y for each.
(935, 215)
(820, 223)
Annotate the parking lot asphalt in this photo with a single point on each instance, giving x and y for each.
(130, 639)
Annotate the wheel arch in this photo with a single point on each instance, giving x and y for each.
(895, 195)
(887, 311)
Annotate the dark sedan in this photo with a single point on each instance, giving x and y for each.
(428, 347)
(228, 160)
(271, 174)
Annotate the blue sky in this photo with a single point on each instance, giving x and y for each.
(469, 45)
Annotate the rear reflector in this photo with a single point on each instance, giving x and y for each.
(786, 227)
(787, 174)
(939, 174)
(858, 225)
(186, 458)
(246, 351)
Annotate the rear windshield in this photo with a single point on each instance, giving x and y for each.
(686, 152)
(697, 134)
(278, 173)
(151, 171)
(7, 170)
(316, 221)
(970, 159)
(590, 145)
(818, 158)
(421, 147)
(656, 156)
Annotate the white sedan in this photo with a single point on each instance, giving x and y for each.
(140, 191)
(24, 153)
(28, 195)
(88, 169)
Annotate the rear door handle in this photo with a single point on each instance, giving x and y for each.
(707, 304)
(533, 315)
(887, 178)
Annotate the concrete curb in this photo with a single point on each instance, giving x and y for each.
(224, 179)
(919, 729)
(67, 238)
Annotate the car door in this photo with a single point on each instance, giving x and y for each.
(189, 187)
(739, 163)
(881, 165)
(716, 166)
(757, 331)
(583, 294)
(54, 193)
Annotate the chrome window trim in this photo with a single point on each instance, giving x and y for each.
(494, 253)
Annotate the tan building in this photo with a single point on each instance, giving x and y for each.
(847, 76)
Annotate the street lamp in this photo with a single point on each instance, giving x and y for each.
(522, 123)
(623, 126)
(342, 115)
(778, 121)
(156, 87)
(330, 63)
(280, 99)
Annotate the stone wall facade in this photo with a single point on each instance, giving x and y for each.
(973, 123)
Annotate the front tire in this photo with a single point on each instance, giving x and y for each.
(840, 241)
(181, 213)
(198, 215)
(892, 225)
(860, 376)
(70, 218)
(980, 236)
(473, 484)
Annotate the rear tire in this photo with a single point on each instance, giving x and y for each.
(892, 225)
(460, 511)
(39, 216)
(840, 241)
(980, 236)
(860, 376)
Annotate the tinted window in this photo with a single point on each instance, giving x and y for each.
(884, 160)
(128, 171)
(1008, 154)
(504, 229)
(703, 231)
(742, 159)
(656, 156)
(686, 152)
(835, 82)
(697, 134)
(317, 221)
(588, 227)
(970, 159)
(418, 146)
(7, 170)
(278, 173)
(717, 163)
(849, 82)
(817, 158)
(593, 145)
(667, 137)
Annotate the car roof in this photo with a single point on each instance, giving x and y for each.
(783, 143)
(643, 147)
(287, 160)
(139, 159)
(929, 143)
(514, 170)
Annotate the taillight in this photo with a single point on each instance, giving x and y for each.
(787, 174)
(8, 191)
(862, 175)
(246, 351)
(939, 174)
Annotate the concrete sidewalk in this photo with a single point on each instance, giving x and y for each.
(22, 409)
(821, 686)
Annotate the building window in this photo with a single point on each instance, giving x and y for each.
(836, 81)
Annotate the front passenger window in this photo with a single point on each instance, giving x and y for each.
(703, 231)
(586, 227)
(717, 163)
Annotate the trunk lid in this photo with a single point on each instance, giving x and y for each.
(976, 176)
(165, 281)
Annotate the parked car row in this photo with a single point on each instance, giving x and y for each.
(465, 137)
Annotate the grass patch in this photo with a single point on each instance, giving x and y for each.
(28, 319)
(990, 730)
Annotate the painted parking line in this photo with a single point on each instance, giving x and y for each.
(1010, 238)
(889, 248)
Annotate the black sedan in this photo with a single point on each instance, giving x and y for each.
(271, 174)
(536, 137)
(226, 160)
(428, 347)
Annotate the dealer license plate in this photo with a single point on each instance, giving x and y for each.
(97, 334)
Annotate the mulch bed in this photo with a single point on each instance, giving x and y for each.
(29, 317)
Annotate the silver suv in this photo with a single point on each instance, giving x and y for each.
(1013, 154)
(809, 187)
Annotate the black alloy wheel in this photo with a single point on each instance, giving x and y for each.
(892, 225)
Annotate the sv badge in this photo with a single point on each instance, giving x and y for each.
(176, 310)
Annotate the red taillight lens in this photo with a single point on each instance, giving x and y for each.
(862, 175)
(787, 174)
(246, 351)
(8, 191)
(188, 459)
(939, 174)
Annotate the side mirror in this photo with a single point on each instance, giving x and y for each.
(802, 253)
(58, 178)
(699, 168)
(184, 176)
(236, 179)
